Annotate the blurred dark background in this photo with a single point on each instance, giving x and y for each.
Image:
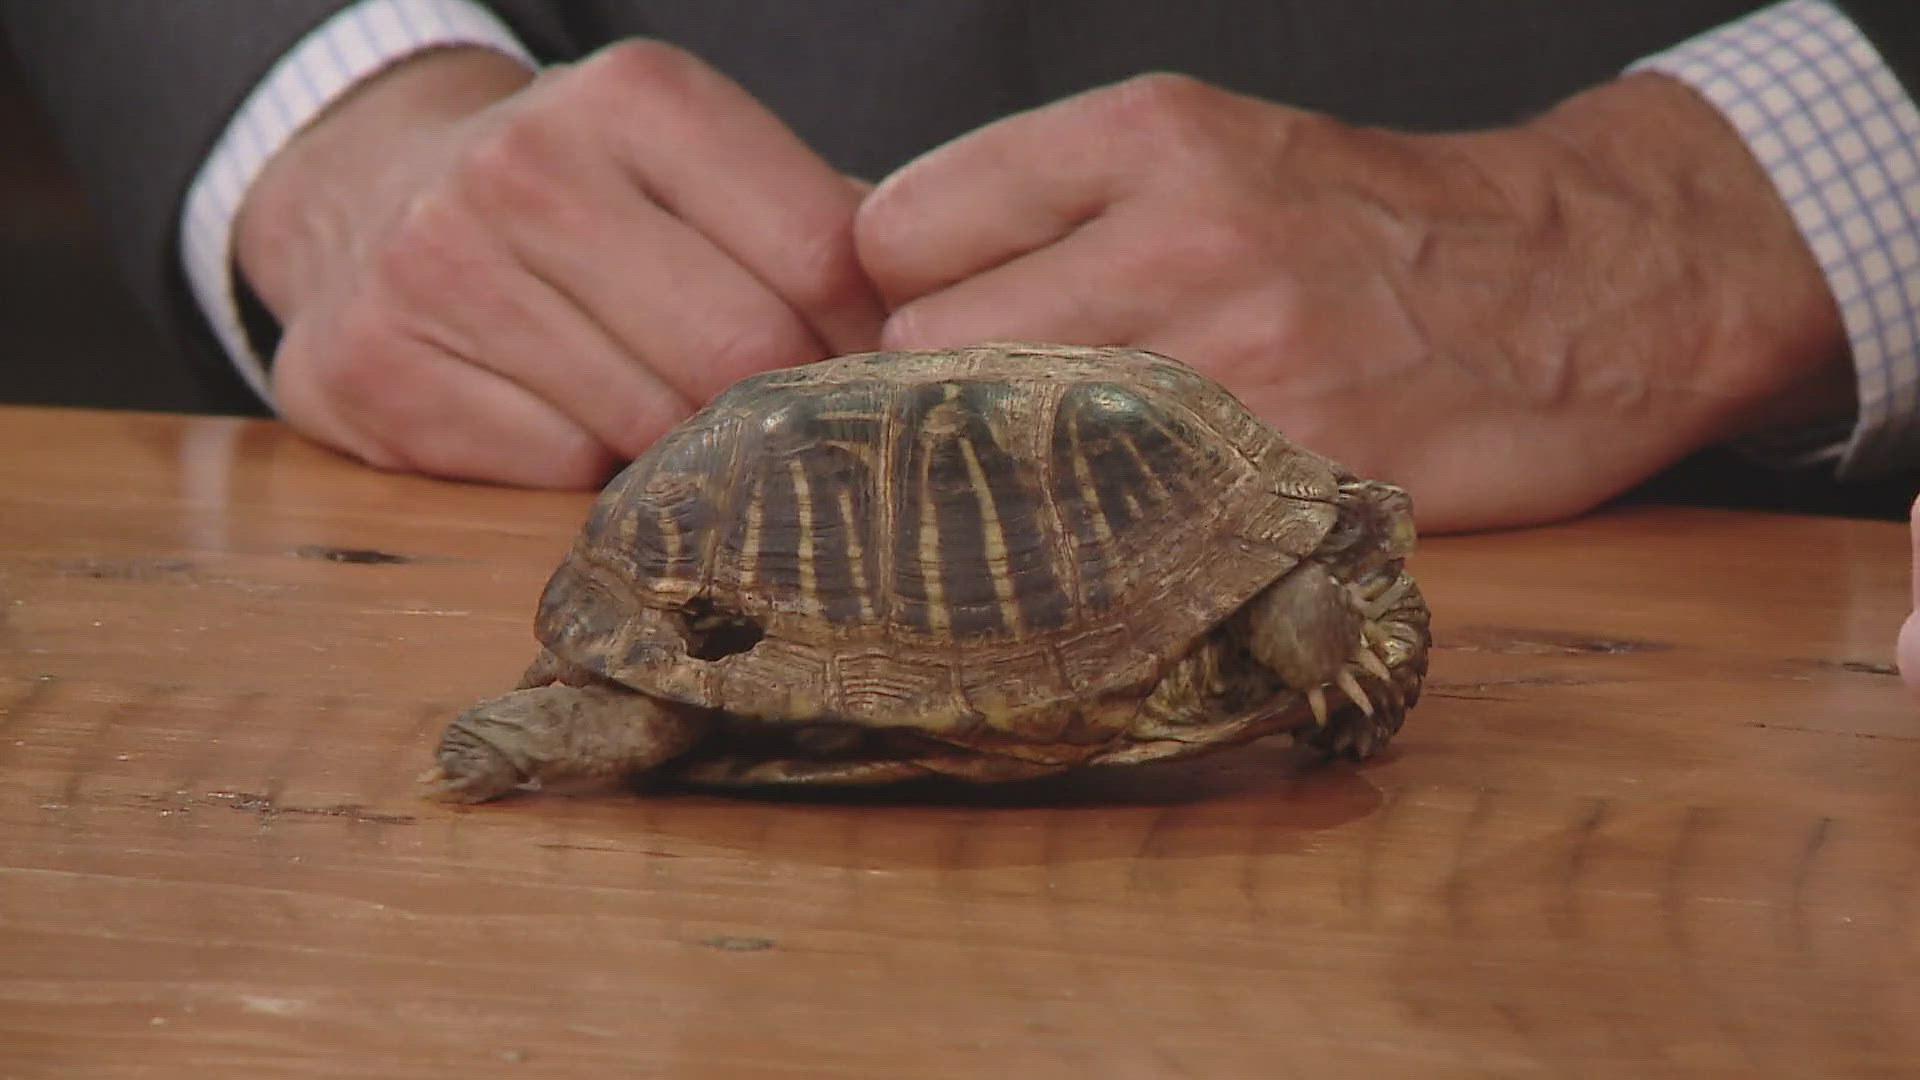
(69, 332)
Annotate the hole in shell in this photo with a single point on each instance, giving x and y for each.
(713, 632)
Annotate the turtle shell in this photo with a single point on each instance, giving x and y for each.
(935, 539)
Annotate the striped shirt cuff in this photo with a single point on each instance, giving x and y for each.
(355, 43)
(1829, 121)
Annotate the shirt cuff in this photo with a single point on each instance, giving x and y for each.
(1829, 122)
(359, 41)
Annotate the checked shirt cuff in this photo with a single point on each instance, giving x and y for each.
(1830, 123)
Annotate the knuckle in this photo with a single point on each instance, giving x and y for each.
(1262, 332)
(1278, 320)
(1185, 126)
(1160, 101)
(365, 370)
(642, 69)
(354, 372)
(509, 172)
(307, 396)
(820, 271)
(425, 254)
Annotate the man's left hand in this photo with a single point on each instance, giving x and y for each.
(1515, 324)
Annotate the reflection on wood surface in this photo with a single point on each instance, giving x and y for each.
(1659, 815)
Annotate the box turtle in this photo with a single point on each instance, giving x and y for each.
(988, 563)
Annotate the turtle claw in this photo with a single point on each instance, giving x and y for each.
(1371, 663)
(1317, 701)
(1350, 686)
(474, 786)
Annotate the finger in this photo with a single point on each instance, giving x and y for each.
(660, 296)
(1010, 187)
(704, 149)
(1082, 289)
(453, 277)
(411, 406)
(540, 336)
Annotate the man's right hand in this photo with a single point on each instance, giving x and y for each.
(486, 275)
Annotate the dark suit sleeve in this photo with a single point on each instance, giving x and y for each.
(1894, 28)
(137, 91)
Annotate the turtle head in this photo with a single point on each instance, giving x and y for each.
(1373, 533)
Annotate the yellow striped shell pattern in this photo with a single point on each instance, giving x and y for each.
(951, 541)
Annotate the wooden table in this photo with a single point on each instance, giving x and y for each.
(1658, 815)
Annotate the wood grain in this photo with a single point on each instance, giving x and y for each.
(1658, 816)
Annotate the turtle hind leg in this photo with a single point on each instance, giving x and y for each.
(556, 733)
(1356, 651)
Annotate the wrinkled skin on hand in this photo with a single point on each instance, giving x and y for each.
(490, 276)
(1514, 325)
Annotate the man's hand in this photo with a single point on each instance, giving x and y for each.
(1514, 324)
(489, 276)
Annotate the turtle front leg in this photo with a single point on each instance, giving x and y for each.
(1331, 638)
(556, 734)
